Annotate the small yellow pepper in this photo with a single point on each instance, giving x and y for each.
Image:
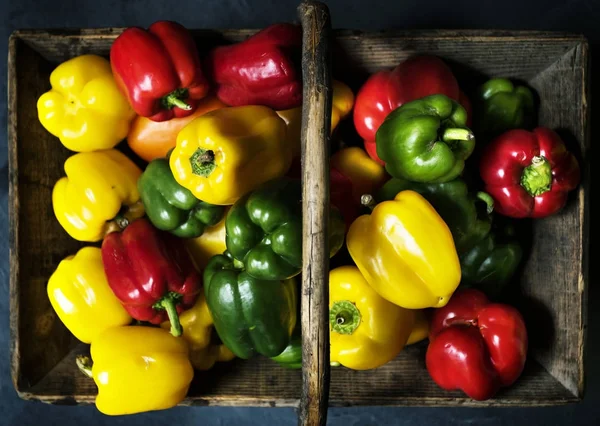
(406, 252)
(81, 297)
(85, 108)
(199, 332)
(138, 369)
(209, 244)
(420, 330)
(226, 153)
(99, 186)
(366, 330)
(341, 105)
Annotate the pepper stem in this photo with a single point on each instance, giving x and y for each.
(84, 364)
(344, 317)
(237, 264)
(168, 303)
(203, 162)
(537, 177)
(126, 215)
(175, 99)
(457, 134)
(488, 200)
(368, 201)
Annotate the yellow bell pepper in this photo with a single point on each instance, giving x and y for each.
(225, 153)
(366, 331)
(209, 244)
(80, 295)
(341, 105)
(85, 108)
(199, 332)
(420, 330)
(406, 252)
(99, 186)
(138, 369)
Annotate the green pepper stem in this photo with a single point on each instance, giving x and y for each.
(344, 317)
(334, 364)
(537, 177)
(488, 200)
(457, 134)
(203, 162)
(175, 98)
(168, 303)
(368, 201)
(237, 264)
(84, 364)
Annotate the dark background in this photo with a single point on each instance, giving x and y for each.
(581, 16)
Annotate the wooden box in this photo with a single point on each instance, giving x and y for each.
(553, 279)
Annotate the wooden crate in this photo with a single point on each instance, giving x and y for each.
(553, 280)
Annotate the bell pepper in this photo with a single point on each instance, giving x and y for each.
(228, 152)
(154, 139)
(99, 190)
(420, 330)
(261, 70)
(476, 346)
(80, 296)
(170, 206)
(366, 331)
(291, 357)
(251, 316)
(504, 106)
(529, 174)
(426, 140)
(405, 251)
(341, 105)
(200, 334)
(209, 244)
(264, 230)
(84, 108)
(151, 273)
(137, 369)
(159, 70)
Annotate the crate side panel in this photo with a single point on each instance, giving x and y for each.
(555, 274)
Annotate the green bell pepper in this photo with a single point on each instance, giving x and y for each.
(291, 357)
(502, 107)
(170, 206)
(426, 140)
(263, 230)
(251, 316)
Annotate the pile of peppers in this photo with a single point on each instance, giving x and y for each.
(193, 233)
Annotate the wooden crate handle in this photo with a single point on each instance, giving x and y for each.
(316, 125)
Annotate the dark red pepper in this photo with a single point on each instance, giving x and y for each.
(151, 273)
(475, 345)
(341, 196)
(384, 91)
(529, 174)
(261, 70)
(159, 70)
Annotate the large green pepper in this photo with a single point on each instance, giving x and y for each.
(426, 140)
(291, 357)
(264, 230)
(170, 206)
(250, 315)
(502, 107)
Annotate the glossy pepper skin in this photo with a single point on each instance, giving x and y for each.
(80, 296)
(154, 139)
(84, 108)
(420, 329)
(426, 140)
(209, 244)
(138, 369)
(406, 253)
(504, 106)
(151, 273)
(251, 316)
(170, 206)
(159, 70)
(291, 357)
(476, 346)
(261, 70)
(264, 230)
(98, 187)
(200, 334)
(529, 174)
(366, 331)
(228, 152)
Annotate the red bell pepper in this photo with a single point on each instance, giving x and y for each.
(529, 174)
(151, 273)
(340, 193)
(159, 70)
(385, 91)
(475, 345)
(261, 70)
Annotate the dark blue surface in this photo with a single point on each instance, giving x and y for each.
(577, 16)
